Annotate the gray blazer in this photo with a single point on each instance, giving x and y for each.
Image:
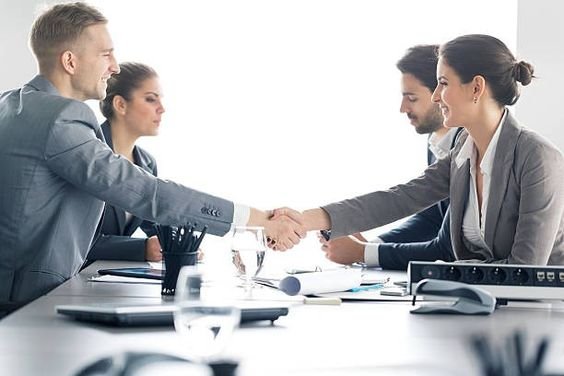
(525, 214)
(56, 172)
(115, 241)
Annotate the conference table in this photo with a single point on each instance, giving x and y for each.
(353, 338)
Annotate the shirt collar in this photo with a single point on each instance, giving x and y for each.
(467, 149)
(487, 161)
(441, 147)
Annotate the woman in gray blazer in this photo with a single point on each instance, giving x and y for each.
(132, 109)
(505, 182)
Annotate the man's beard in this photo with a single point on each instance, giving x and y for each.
(432, 121)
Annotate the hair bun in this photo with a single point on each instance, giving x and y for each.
(523, 72)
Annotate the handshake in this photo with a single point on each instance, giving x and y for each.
(284, 228)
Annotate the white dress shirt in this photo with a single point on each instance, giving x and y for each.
(474, 222)
(241, 214)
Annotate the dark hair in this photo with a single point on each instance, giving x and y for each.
(483, 55)
(421, 62)
(59, 27)
(129, 78)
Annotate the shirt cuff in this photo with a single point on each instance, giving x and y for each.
(371, 254)
(377, 240)
(241, 214)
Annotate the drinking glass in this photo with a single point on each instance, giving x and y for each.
(248, 248)
(205, 314)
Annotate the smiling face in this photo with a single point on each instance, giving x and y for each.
(143, 111)
(416, 103)
(94, 63)
(455, 99)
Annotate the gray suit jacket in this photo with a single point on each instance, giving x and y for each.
(56, 172)
(115, 241)
(525, 214)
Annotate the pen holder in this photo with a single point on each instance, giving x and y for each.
(174, 261)
(180, 248)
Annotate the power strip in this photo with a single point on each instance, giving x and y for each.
(502, 281)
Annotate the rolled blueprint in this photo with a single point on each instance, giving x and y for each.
(321, 282)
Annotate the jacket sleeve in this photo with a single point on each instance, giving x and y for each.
(75, 153)
(421, 227)
(148, 227)
(118, 247)
(398, 255)
(112, 245)
(382, 207)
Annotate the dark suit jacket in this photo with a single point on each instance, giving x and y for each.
(398, 255)
(423, 237)
(115, 241)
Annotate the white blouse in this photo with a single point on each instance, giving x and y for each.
(474, 223)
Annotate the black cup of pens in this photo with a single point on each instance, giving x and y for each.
(180, 248)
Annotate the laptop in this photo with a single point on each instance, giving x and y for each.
(157, 314)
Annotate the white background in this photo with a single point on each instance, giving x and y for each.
(289, 102)
(275, 103)
(293, 103)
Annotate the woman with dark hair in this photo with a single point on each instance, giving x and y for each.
(505, 182)
(132, 108)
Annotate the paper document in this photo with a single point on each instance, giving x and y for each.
(320, 282)
(156, 265)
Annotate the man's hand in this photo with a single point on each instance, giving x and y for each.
(153, 249)
(288, 212)
(283, 232)
(345, 250)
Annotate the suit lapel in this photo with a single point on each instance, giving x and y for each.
(459, 189)
(120, 218)
(118, 213)
(503, 161)
(141, 161)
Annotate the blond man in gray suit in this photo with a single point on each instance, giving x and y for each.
(505, 182)
(57, 170)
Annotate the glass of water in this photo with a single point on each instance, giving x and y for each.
(248, 248)
(205, 314)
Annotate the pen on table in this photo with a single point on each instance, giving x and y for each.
(367, 287)
(322, 301)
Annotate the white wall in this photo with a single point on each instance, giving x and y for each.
(16, 60)
(322, 71)
(540, 41)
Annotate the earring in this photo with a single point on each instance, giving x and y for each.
(475, 100)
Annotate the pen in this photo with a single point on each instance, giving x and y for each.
(326, 234)
(199, 241)
(322, 301)
(368, 287)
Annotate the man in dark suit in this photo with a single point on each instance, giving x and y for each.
(57, 171)
(424, 236)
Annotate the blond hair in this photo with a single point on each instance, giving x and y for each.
(58, 28)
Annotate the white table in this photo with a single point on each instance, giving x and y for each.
(354, 338)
